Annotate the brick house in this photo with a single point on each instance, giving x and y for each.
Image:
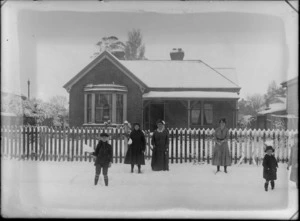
(185, 93)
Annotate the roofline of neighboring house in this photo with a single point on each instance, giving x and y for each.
(104, 55)
(18, 95)
(285, 83)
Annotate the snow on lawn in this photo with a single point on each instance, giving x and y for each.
(66, 189)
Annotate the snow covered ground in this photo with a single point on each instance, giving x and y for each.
(66, 189)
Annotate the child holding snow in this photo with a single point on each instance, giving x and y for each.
(104, 156)
(270, 167)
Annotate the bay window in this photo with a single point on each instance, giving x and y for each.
(105, 102)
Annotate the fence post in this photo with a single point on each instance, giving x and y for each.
(172, 146)
(185, 145)
(181, 146)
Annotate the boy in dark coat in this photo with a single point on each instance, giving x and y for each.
(270, 167)
(104, 156)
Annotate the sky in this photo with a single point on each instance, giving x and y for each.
(49, 42)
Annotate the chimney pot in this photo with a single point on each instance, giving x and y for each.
(177, 54)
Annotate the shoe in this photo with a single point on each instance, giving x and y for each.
(266, 186)
(272, 185)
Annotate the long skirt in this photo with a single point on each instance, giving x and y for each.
(160, 160)
(134, 156)
(221, 155)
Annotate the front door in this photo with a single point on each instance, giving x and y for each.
(156, 113)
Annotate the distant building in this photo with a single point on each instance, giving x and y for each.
(292, 107)
(267, 119)
(7, 117)
(184, 93)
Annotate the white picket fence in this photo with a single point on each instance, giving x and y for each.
(185, 145)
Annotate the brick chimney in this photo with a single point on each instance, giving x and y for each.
(119, 54)
(177, 54)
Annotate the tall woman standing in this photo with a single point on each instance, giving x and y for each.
(135, 152)
(160, 143)
(221, 156)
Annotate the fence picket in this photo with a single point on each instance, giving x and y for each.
(172, 146)
(181, 146)
(176, 150)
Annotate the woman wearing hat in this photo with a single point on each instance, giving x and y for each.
(293, 161)
(135, 152)
(270, 167)
(160, 143)
(221, 156)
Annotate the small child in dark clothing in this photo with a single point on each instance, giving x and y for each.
(270, 167)
(104, 156)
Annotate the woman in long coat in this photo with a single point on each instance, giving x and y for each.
(135, 152)
(221, 155)
(160, 143)
(293, 161)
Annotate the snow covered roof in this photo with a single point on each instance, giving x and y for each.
(230, 73)
(274, 108)
(178, 74)
(189, 74)
(190, 94)
(7, 114)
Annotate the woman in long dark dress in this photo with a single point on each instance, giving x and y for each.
(160, 143)
(135, 152)
(221, 155)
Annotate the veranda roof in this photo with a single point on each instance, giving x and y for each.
(190, 94)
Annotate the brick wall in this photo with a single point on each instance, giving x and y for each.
(105, 73)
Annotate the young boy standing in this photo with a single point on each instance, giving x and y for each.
(270, 167)
(104, 156)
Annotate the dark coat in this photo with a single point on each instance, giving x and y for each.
(270, 167)
(103, 153)
(160, 154)
(135, 154)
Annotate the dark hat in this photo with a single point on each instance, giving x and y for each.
(160, 121)
(104, 134)
(269, 148)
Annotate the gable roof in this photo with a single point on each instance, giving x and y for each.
(97, 60)
(189, 74)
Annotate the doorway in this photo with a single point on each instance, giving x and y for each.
(157, 111)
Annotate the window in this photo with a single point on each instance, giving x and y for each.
(103, 107)
(89, 108)
(196, 113)
(119, 107)
(201, 113)
(208, 114)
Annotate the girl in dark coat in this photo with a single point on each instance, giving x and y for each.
(221, 155)
(160, 143)
(135, 152)
(104, 156)
(270, 168)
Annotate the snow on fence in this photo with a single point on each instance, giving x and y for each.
(185, 145)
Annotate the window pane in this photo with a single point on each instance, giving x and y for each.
(89, 108)
(208, 114)
(195, 116)
(103, 107)
(119, 105)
